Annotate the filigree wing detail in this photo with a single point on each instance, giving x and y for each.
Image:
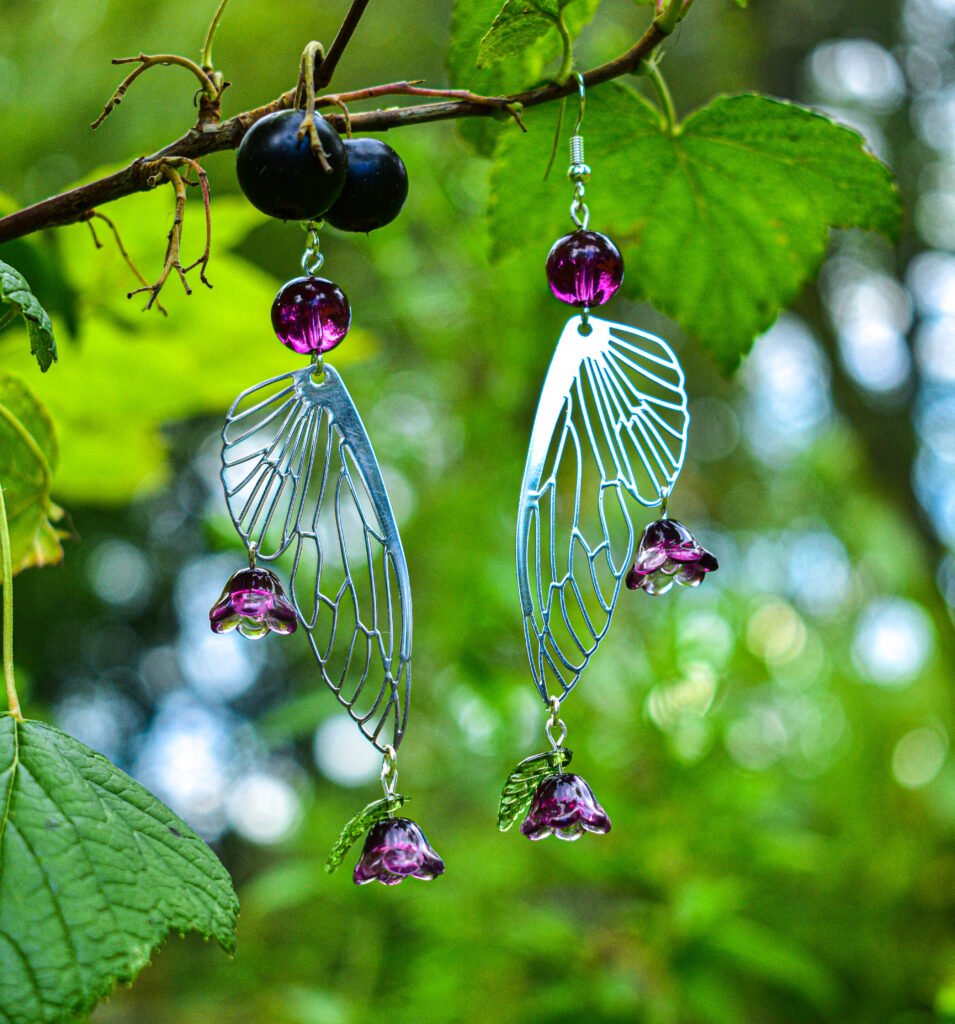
(303, 485)
(610, 429)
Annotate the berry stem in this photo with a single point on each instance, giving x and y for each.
(666, 99)
(671, 15)
(567, 53)
(207, 64)
(313, 53)
(13, 701)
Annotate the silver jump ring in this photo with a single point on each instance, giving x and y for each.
(555, 720)
(312, 259)
(579, 213)
(389, 771)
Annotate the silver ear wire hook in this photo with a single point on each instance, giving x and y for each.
(582, 93)
(579, 172)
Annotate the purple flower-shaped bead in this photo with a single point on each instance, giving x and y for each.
(396, 849)
(564, 806)
(254, 603)
(668, 554)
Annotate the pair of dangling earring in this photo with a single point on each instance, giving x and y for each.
(302, 483)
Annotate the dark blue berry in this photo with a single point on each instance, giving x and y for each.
(279, 173)
(376, 186)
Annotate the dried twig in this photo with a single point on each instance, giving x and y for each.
(209, 89)
(122, 248)
(167, 169)
(412, 88)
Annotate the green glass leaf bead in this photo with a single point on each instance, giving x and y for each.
(521, 783)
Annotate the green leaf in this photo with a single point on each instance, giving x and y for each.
(722, 224)
(359, 825)
(94, 873)
(524, 68)
(15, 291)
(520, 23)
(517, 26)
(28, 456)
(40, 260)
(521, 783)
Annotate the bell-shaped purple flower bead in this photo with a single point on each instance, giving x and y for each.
(584, 268)
(564, 806)
(668, 553)
(253, 602)
(396, 849)
(311, 315)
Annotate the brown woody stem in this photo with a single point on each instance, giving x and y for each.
(72, 206)
(122, 249)
(173, 261)
(145, 63)
(324, 74)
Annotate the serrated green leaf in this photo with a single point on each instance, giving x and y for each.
(15, 292)
(470, 22)
(28, 456)
(39, 259)
(520, 785)
(521, 23)
(518, 25)
(360, 824)
(720, 225)
(94, 873)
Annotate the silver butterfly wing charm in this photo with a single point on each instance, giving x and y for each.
(611, 426)
(302, 484)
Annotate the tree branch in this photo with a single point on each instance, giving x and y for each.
(75, 205)
(326, 69)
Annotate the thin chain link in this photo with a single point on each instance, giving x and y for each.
(553, 722)
(312, 259)
(389, 771)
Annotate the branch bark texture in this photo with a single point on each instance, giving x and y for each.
(139, 176)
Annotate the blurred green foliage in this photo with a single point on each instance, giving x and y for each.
(771, 859)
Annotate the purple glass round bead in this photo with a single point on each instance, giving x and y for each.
(584, 268)
(311, 314)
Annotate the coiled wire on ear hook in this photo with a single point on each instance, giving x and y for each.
(579, 172)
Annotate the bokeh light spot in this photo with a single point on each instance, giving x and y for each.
(342, 753)
(263, 808)
(918, 757)
(893, 641)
